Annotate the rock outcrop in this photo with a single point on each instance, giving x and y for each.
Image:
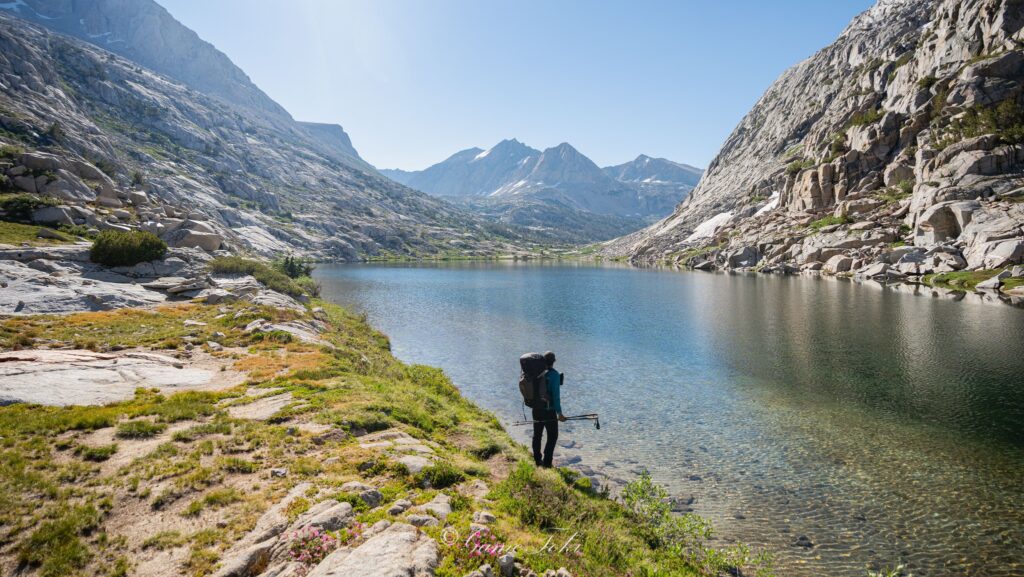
(907, 130)
(62, 279)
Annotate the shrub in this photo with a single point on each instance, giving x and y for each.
(926, 82)
(797, 165)
(120, 248)
(308, 285)
(1005, 120)
(294, 267)
(865, 117)
(19, 207)
(837, 146)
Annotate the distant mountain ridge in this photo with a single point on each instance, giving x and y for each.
(643, 188)
(660, 183)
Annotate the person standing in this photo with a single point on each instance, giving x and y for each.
(548, 415)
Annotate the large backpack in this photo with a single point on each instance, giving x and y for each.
(532, 381)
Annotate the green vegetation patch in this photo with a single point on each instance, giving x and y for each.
(56, 547)
(272, 277)
(96, 453)
(140, 429)
(865, 117)
(19, 207)
(126, 248)
(903, 59)
(439, 476)
(962, 279)
(897, 193)
(215, 499)
(1005, 121)
(17, 233)
(799, 165)
(828, 221)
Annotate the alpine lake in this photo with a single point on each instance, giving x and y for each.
(843, 426)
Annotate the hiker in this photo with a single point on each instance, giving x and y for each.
(542, 395)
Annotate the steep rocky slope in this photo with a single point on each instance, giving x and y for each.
(122, 146)
(895, 152)
(144, 32)
(558, 193)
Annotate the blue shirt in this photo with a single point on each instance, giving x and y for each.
(554, 389)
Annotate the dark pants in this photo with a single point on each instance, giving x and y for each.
(551, 425)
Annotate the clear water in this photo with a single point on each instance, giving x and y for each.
(886, 427)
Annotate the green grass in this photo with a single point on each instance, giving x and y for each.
(1012, 283)
(237, 465)
(165, 540)
(96, 453)
(139, 429)
(161, 328)
(56, 547)
(273, 278)
(17, 233)
(439, 476)
(960, 280)
(199, 431)
(828, 221)
(215, 499)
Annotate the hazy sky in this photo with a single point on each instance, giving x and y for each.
(413, 81)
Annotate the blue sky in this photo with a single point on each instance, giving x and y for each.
(413, 81)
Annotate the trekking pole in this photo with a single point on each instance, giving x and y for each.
(586, 417)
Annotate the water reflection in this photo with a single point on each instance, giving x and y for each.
(884, 426)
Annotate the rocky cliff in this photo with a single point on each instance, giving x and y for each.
(121, 146)
(895, 152)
